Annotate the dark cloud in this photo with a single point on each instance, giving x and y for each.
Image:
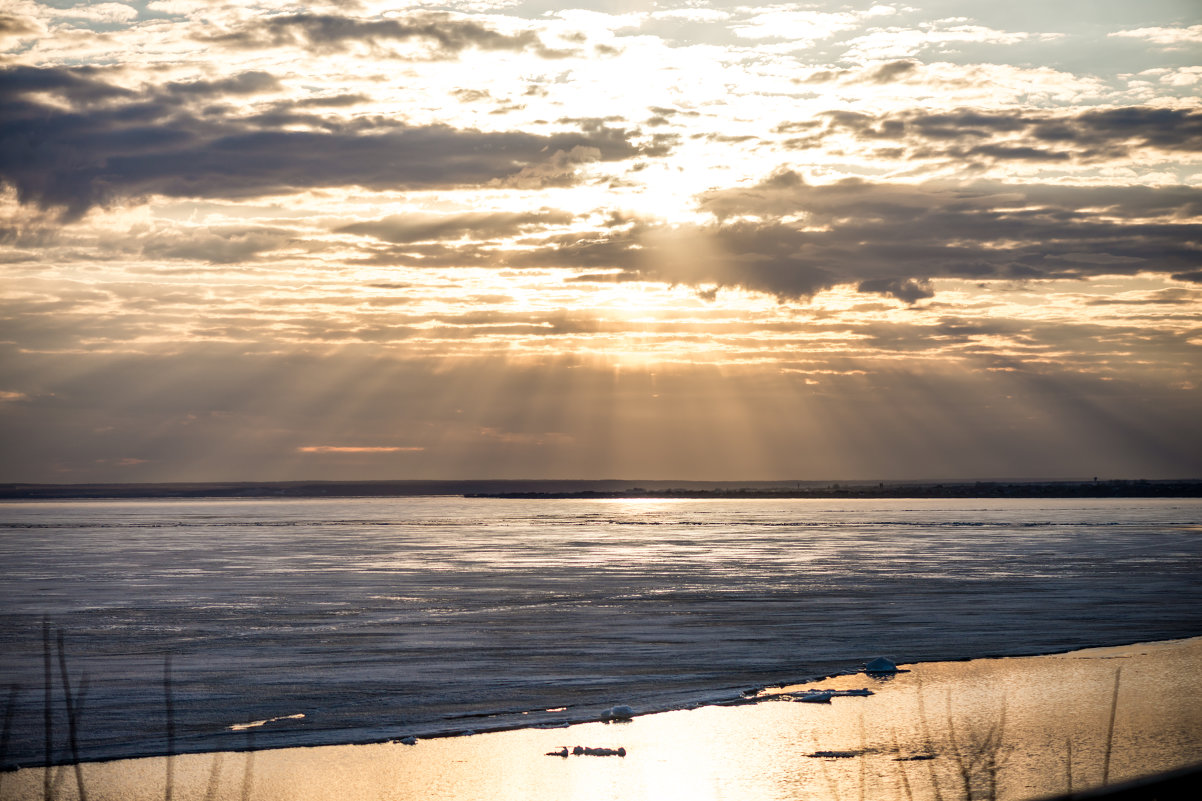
(968, 134)
(471, 95)
(327, 32)
(620, 277)
(223, 245)
(1164, 297)
(1004, 153)
(331, 101)
(12, 25)
(402, 229)
(81, 85)
(824, 76)
(82, 158)
(892, 239)
(888, 73)
(906, 290)
(243, 84)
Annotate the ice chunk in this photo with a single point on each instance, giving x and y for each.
(617, 713)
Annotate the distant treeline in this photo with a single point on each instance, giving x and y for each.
(550, 488)
(1017, 489)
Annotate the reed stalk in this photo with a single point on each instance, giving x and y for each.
(74, 706)
(1068, 742)
(47, 715)
(214, 778)
(994, 749)
(901, 767)
(170, 704)
(863, 750)
(9, 709)
(826, 774)
(930, 743)
(248, 773)
(961, 763)
(1114, 705)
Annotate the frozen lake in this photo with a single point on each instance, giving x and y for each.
(364, 619)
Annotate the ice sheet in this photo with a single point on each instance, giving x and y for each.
(380, 618)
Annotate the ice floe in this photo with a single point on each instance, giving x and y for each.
(254, 724)
(819, 696)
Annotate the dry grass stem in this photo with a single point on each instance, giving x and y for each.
(9, 709)
(248, 774)
(214, 778)
(47, 715)
(74, 708)
(1068, 742)
(863, 751)
(170, 705)
(961, 762)
(901, 767)
(927, 741)
(1114, 705)
(826, 773)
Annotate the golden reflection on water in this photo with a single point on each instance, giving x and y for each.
(1039, 710)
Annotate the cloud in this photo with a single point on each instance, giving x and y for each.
(13, 26)
(400, 229)
(940, 35)
(906, 290)
(217, 245)
(75, 160)
(891, 71)
(882, 73)
(327, 32)
(79, 85)
(1172, 37)
(358, 449)
(791, 239)
(969, 134)
(244, 83)
(332, 101)
(99, 12)
(789, 22)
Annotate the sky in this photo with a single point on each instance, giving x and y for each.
(679, 240)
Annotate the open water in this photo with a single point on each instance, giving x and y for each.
(329, 621)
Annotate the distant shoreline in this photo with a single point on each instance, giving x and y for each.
(1116, 489)
(616, 489)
